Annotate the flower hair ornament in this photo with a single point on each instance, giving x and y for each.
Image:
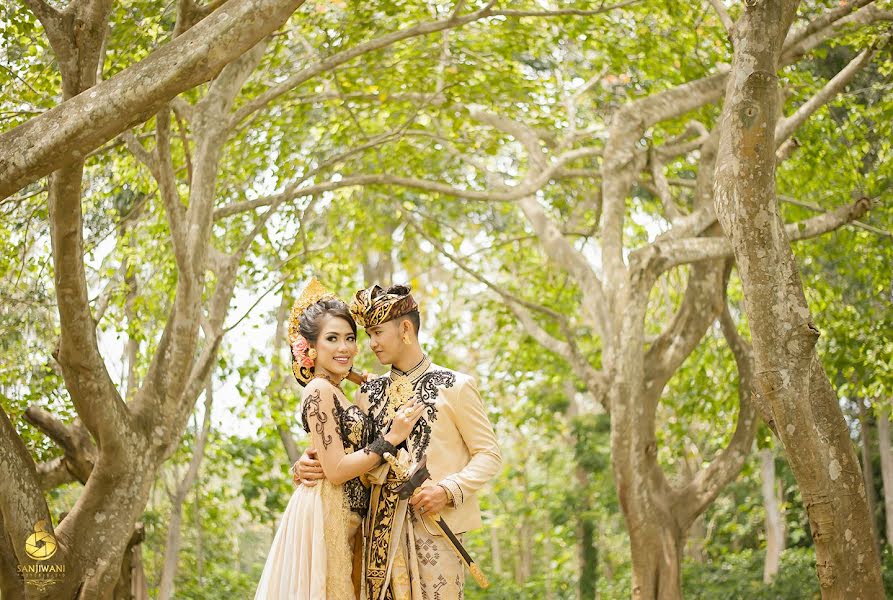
(302, 355)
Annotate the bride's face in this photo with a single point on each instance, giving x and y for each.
(336, 346)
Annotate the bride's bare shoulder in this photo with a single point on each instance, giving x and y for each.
(317, 387)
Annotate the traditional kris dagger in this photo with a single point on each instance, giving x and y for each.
(408, 488)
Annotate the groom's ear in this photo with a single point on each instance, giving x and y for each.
(406, 328)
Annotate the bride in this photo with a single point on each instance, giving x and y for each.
(311, 555)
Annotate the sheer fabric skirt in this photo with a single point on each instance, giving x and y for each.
(311, 555)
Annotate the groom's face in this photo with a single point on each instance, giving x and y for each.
(385, 342)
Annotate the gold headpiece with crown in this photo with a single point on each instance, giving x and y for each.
(313, 293)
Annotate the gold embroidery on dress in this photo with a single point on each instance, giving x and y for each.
(339, 559)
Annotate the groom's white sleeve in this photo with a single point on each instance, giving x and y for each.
(470, 418)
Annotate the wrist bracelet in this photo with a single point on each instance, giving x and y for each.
(381, 446)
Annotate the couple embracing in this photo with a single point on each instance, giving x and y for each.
(351, 531)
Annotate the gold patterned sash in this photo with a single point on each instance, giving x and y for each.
(384, 526)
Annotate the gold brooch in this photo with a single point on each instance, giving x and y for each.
(399, 393)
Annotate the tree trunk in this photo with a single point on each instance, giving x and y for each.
(11, 585)
(655, 535)
(697, 534)
(140, 587)
(775, 529)
(587, 549)
(886, 452)
(547, 565)
(125, 587)
(656, 546)
(495, 549)
(175, 522)
(522, 574)
(793, 391)
(868, 469)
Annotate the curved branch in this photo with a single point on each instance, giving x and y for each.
(786, 126)
(620, 165)
(75, 442)
(509, 195)
(723, 14)
(868, 15)
(797, 35)
(707, 484)
(670, 254)
(568, 257)
(345, 56)
(81, 124)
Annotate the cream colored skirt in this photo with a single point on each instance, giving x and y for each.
(310, 558)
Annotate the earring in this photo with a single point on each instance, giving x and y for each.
(312, 353)
(405, 341)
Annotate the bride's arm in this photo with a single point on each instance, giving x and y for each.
(338, 467)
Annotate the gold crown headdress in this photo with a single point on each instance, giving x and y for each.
(313, 293)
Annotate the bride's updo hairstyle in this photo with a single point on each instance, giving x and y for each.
(312, 318)
(305, 325)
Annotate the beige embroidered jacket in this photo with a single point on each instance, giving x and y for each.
(454, 432)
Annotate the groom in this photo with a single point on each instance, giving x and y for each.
(405, 557)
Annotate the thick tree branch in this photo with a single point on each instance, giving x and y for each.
(621, 160)
(167, 188)
(174, 362)
(55, 473)
(11, 584)
(74, 440)
(863, 17)
(563, 253)
(48, 15)
(526, 135)
(92, 390)
(670, 254)
(699, 308)
(817, 208)
(826, 20)
(661, 189)
(71, 130)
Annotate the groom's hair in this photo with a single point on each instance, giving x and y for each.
(413, 318)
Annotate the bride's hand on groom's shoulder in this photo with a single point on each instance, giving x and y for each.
(308, 469)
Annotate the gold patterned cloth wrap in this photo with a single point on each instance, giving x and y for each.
(374, 305)
(391, 567)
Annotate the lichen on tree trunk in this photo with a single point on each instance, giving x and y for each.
(792, 386)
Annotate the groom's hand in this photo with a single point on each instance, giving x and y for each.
(308, 469)
(429, 500)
